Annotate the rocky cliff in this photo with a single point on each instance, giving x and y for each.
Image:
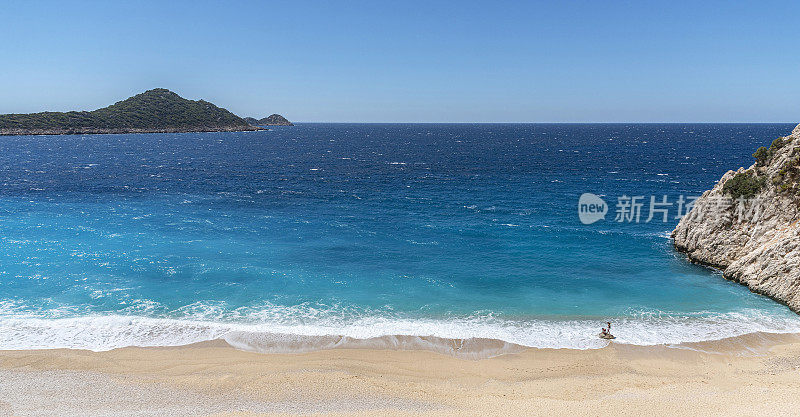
(747, 225)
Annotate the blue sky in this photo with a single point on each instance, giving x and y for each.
(374, 61)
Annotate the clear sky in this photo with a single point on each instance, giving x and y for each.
(408, 61)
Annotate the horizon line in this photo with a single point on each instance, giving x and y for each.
(550, 123)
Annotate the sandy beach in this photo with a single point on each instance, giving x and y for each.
(750, 375)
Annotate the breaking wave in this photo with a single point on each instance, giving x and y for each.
(292, 329)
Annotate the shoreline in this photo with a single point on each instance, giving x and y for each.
(469, 348)
(475, 338)
(212, 378)
(745, 344)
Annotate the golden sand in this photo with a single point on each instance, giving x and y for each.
(749, 376)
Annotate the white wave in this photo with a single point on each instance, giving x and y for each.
(274, 331)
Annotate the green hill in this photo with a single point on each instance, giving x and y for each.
(275, 120)
(157, 110)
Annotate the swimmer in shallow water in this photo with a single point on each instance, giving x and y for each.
(605, 333)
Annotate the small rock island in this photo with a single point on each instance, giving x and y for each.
(271, 120)
(748, 225)
(154, 111)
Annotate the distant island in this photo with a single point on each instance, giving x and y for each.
(154, 111)
(271, 120)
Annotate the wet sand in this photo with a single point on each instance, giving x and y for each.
(750, 375)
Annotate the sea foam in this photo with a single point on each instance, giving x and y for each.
(471, 337)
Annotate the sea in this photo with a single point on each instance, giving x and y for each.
(459, 238)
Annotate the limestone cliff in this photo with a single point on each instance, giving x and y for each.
(747, 225)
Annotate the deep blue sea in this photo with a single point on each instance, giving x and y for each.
(271, 239)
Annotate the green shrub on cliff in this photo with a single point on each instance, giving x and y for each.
(787, 177)
(777, 144)
(762, 156)
(743, 185)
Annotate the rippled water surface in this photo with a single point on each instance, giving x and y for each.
(363, 230)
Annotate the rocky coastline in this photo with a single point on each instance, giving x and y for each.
(748, 224)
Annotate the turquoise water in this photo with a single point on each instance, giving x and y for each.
(362, 230)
